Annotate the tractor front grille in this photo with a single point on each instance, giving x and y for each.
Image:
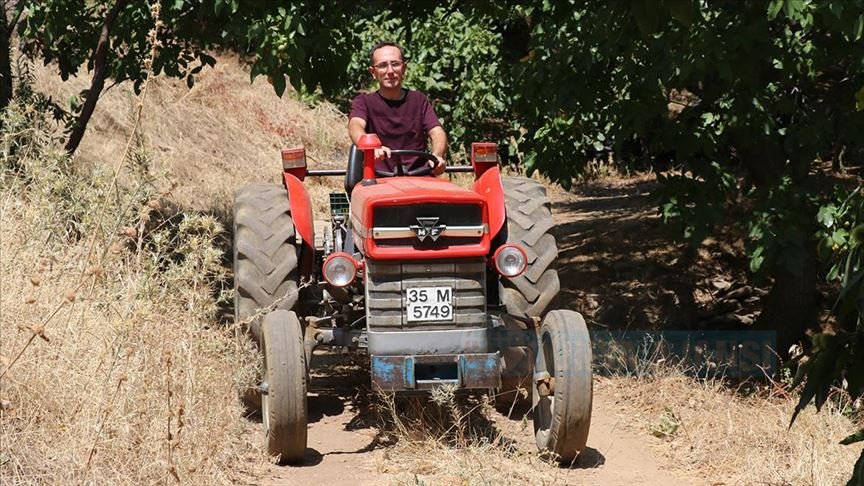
(447, 214)
(387, 284)
(428, 226)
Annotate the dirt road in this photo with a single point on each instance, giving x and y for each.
(347, 445)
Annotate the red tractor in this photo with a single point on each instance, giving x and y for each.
(439, 284)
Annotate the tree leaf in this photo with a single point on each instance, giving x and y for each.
(839, 236)
(833, 272)
(774, 8)
(859, 99)
(684, 11)
(826, 215)
(756, 260)
(279, 83)
(793, 8)
(857, 233)
(856, 437)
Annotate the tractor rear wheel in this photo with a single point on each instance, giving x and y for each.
(529, 220)
(283, 389)
(265, 253)
(563, 395)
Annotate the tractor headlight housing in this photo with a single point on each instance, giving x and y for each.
(339, 269)
(510, 261)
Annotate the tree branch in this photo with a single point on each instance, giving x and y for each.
(19, 10)
(98, 82)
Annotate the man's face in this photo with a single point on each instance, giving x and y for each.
(388, 67)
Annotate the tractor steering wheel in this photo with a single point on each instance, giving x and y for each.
(421, 171)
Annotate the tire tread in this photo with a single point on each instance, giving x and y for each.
(529, 219)
(571, 422)
(265, 252)
(285, 358)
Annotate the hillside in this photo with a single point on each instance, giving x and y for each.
(121, 366)
(222, 133)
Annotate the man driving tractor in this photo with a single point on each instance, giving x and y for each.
(401, 118)
(429, 279)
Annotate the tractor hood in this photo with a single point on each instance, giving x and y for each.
(397, 217)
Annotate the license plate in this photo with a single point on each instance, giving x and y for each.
(430, 304)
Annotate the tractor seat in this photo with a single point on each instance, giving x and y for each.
(354, 174)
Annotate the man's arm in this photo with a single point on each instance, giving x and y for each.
(438, 137)
(357, 128)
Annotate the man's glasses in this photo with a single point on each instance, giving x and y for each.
(382, 66)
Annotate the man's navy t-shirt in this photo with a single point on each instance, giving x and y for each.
(400, 124)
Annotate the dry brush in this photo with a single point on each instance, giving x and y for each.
(114, 369)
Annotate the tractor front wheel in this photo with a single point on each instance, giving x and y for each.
(562, 389)
(283, 391)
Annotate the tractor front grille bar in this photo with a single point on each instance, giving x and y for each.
(391, 233)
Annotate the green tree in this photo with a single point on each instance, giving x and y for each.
(724, 91)
(838, 355)
(766, 93)
(306, 41)
(459, 71)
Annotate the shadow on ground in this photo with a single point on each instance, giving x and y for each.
(622, 268)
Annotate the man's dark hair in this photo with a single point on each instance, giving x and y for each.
(385, 44)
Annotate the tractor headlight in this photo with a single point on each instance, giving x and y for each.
(510, 261)
(339, 269)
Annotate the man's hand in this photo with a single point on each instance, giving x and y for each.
(438, 166)
(382, 153)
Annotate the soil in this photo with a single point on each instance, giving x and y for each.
(619, 268)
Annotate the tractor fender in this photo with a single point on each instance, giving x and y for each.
(301, 213)
(488, 185)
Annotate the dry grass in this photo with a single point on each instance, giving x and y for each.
(451, 439)
(113, 370)
(707, 428)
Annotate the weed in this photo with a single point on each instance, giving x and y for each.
(667, 425)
